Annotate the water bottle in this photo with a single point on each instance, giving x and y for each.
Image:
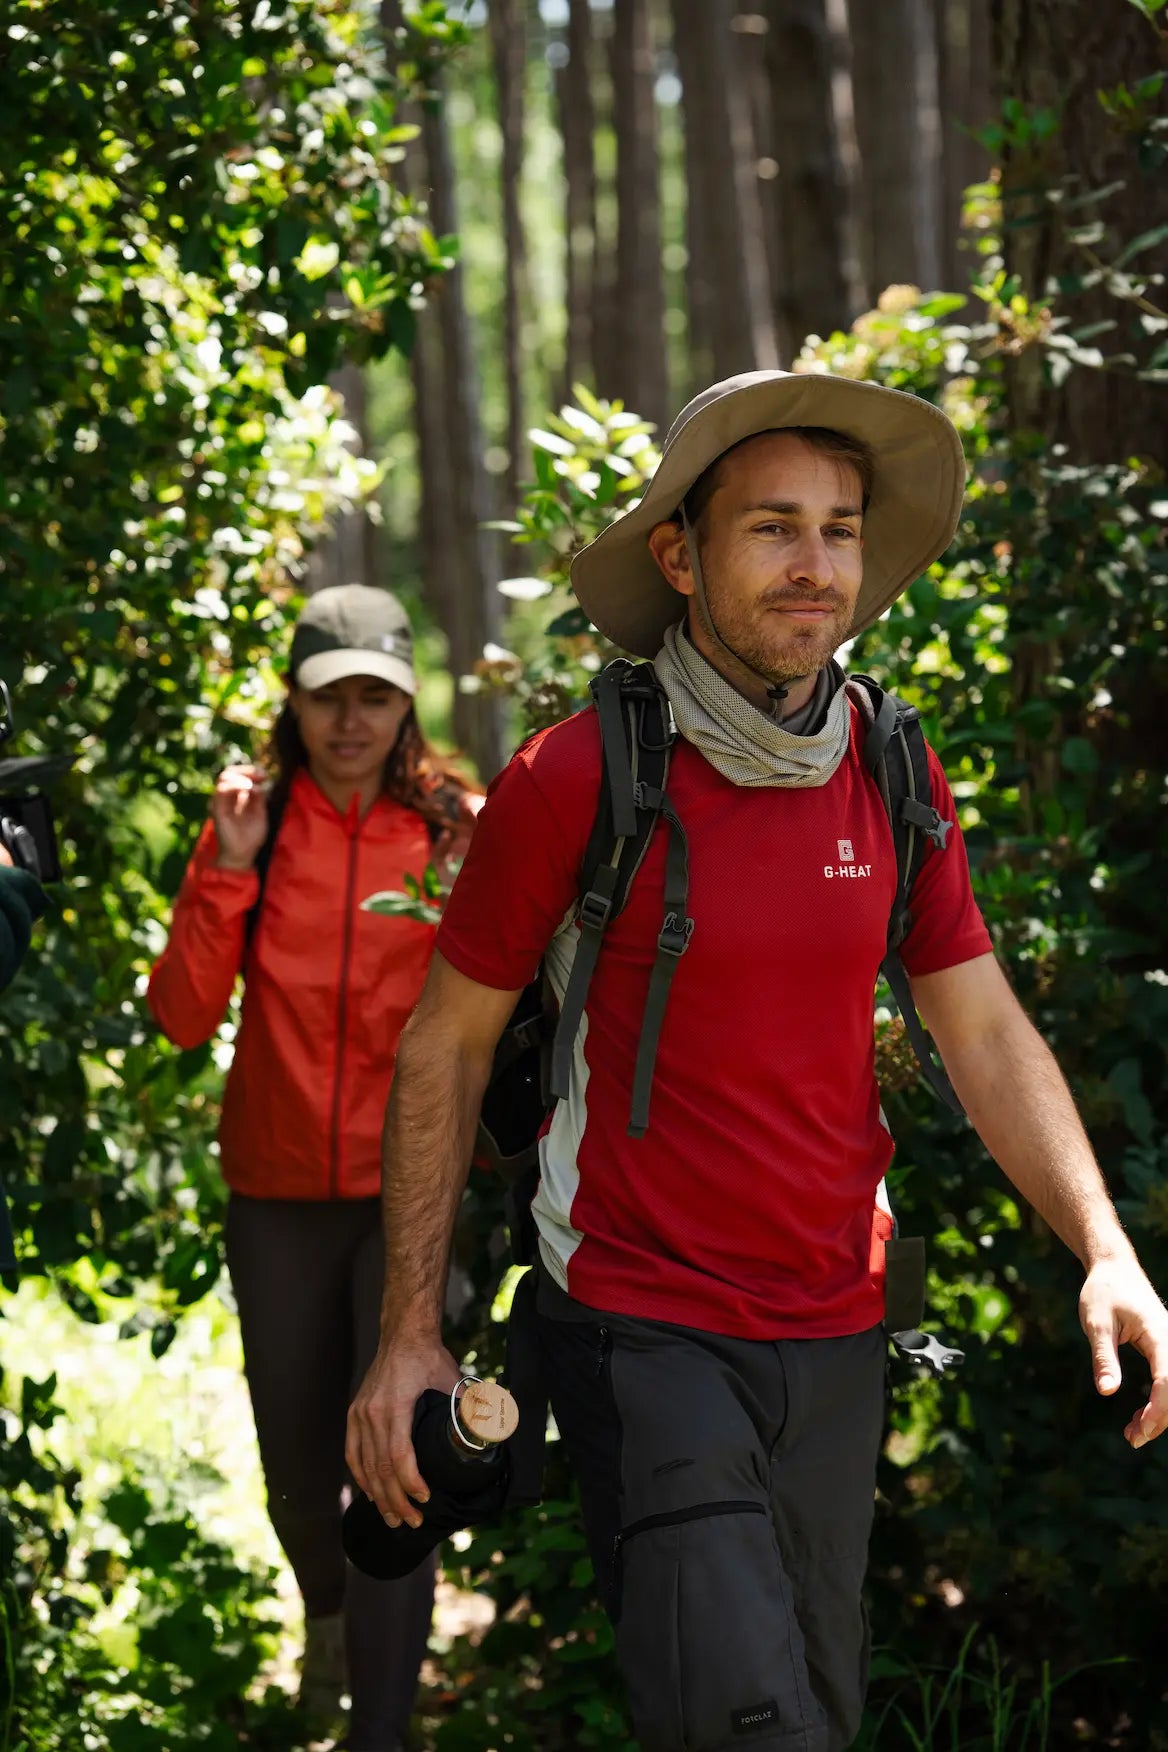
(460, 1441)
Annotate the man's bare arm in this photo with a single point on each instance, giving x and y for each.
(443, 1064)
(1019, 1103)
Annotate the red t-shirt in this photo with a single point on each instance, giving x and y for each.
(747, 1207)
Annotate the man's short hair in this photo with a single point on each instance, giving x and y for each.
(840, 446)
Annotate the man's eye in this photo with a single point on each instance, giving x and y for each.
(842, 529)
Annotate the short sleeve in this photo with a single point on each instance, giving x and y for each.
(517, 885)
(947, 926)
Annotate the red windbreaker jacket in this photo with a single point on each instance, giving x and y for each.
(328, 989)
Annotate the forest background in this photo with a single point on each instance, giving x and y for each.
(289, 296)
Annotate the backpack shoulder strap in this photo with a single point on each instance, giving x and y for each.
(897, 756)
(637, 733)
(276, 808)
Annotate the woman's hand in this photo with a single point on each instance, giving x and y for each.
(239, 809)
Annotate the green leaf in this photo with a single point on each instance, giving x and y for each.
(402, 906)
(1145, 240)
(569, 625)
(551, 442)
(1079, 757)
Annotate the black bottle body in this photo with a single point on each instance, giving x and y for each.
(465, 1488)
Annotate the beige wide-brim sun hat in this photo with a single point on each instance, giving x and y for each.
(911, 518)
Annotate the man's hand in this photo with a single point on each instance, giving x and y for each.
(1119, 1306)
(379, 1448)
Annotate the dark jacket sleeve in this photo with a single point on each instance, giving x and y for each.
(22, 901)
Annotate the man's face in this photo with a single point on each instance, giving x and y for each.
(781, 554)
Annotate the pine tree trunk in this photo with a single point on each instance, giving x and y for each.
(728, 277)
(641, 370)
(1057, 55)
(349, 553)
(459, 566)
(471, 614)
(577, 113)
(894, 75)
(820, 289)
(509, 46)
(963, 79)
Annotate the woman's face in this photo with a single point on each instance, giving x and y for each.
(349, 728)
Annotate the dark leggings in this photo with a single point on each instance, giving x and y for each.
(307, 1279)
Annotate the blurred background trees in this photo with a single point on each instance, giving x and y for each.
(300, 296)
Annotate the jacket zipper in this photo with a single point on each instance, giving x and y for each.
(342, 1012)
(677, 1517)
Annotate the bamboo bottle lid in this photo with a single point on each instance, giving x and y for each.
(487, 1412)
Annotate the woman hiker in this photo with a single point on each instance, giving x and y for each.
(354, 803)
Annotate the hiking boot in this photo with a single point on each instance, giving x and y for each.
(323, 1672)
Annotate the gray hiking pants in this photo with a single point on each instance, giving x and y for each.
(307, 1279)
(727, 1487)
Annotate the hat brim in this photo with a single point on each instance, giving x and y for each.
(326, 667)
(911, 518)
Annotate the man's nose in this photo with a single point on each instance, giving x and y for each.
(810, 562)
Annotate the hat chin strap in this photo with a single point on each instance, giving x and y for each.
(776, 691)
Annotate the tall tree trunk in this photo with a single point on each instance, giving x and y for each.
(509, 45)
(641, 368)
(1057, 55)
(471, 614)
(349, 553)
(728, 279)
(963, 81)
(577, 113)
(459, 565)
(894, 72)
(819, 290)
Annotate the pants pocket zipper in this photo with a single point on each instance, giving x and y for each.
(678, 1517)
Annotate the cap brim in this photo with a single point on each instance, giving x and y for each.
(326, 667)
(911, 518)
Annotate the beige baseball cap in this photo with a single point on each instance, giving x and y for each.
(911, 518)
(353, 629)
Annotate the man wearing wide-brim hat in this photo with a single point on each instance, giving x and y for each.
(710, 1293)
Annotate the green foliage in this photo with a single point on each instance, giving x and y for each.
(183, 1634)
(419, 900)
(198, 222)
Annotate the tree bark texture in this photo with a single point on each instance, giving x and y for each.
(642, 378)
(459, 565)
(1057, 55)
(963, 79)
(469, 607)
(577, 115)
(509, 48)
(894, 77)
(349, 553)
(820, 289)
(728, 279)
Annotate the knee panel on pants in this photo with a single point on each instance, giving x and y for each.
(707, 1635)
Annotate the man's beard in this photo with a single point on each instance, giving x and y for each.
(783, 656)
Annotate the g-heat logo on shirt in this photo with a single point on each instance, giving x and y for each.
(847, 865)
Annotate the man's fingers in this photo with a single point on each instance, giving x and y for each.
(1104, 1355)
(1152, 1419)
(354, 1456)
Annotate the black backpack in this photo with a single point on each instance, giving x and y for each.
(533, 1060)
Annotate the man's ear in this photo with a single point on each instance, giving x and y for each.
(667, 545)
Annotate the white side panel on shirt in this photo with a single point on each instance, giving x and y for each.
(559, 1149)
